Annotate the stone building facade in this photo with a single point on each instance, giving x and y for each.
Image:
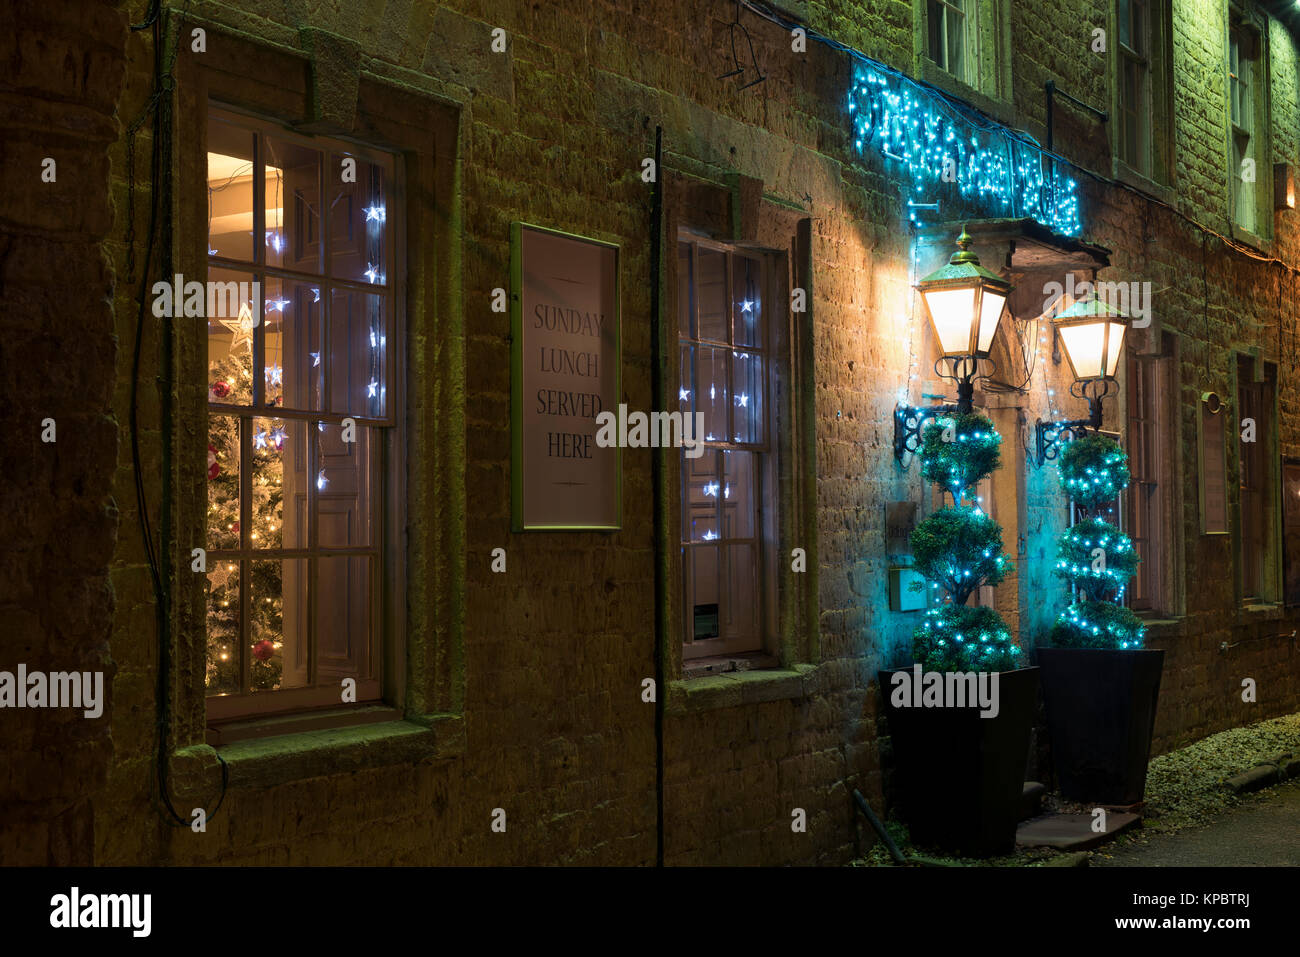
(505, 718)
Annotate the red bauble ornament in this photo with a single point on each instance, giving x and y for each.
(214, 468)
(264, 650)
(220, 389)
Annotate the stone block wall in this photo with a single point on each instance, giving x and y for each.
(553, 132)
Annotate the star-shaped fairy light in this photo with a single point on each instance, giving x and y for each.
(241, 329)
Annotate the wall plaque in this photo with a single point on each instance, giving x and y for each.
(1212, 432)
(565, 366)
(900, 519)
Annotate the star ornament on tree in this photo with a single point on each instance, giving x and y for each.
(241, 329)
(220, 575)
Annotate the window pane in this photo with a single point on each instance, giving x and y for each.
(738, 494)
(746, 285)
(223, 482)
(747, 373)
(293, 375)
(343, 593)
(231, 307)
(230, 191)
(344, 486)
(685, 291)
(686, 387)
(293, 229)
(223, 628)
(279, 476)
(701, 567)
(357, 221)
(277, 627)
(956, 36)
(701, 488)
(741, 600)
(934, 26)
(711, 383)
(711, 292)
(358, 342)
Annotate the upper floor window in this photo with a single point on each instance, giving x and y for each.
(1250, 172)
(301, 351)
(952, 29)
(1134, 134)
(728, 366)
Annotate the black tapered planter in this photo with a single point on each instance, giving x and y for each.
(1101, 709)
(958, 776)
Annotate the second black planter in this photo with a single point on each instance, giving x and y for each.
(960, 776)
(1101, 709)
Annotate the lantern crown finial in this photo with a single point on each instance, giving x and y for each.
(963, 253)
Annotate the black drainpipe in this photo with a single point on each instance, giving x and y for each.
(657, 484)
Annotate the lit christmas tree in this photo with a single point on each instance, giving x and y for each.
(231, 381)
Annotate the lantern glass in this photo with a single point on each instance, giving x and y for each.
(990, 313)
(952, 311)
(1114, 346)
(1085, 347)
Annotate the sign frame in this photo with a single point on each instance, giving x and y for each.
(1210, 403)
(517, 477)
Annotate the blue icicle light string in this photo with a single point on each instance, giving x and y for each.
(997, 169)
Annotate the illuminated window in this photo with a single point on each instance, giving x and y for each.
(301, 354)
(726, 352)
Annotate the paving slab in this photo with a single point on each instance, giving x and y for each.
(1072, 832)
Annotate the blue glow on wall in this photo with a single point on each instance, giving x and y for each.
(999, 171)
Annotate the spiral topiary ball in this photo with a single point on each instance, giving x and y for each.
(958, 638)
(959, 450)
(1094, 469)
(1098, 624)
(960, 548)
(1096, 557)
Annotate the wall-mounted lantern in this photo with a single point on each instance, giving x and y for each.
(964, 301)
(1091, 332)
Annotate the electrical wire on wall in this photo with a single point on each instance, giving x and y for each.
(159, 106)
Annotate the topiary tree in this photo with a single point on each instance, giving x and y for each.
(1094, 556)
(959, 548)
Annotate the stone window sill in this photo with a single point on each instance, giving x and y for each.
(998, 109)
(271, 760)
(1265, 246)
(1142, 182)
(1164, 627)
(1260, 611)
(732, 689)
